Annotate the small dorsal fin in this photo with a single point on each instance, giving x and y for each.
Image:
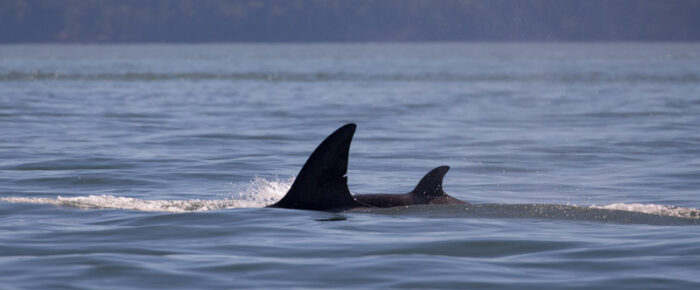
(430, 186)
(321, 184)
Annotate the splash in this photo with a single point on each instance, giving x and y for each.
(654, 209)
(261, 192)
(258, 193)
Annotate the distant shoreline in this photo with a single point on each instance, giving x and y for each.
(67, 43)
(300, 21)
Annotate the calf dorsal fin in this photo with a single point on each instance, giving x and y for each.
(430, 186)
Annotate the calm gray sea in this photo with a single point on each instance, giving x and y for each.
(145, 166)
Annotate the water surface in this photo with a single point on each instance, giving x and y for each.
(146, 166)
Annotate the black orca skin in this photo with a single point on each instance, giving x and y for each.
(322, 185)
(428, 191)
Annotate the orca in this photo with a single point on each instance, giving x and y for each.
(322, 183)
(428, 191)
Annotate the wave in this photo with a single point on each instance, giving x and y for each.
(129, 203)
(654, 209)
(261, 192)
(344, 76)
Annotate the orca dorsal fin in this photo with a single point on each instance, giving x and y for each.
(321, 184)
(430, 186)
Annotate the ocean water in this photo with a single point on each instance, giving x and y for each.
(143, 166)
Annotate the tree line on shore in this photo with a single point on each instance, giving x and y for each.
(342, 20)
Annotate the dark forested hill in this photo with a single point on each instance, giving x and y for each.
(347, 20)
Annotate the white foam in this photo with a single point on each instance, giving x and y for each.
(656, 209)
(261, 192)
(258, 193)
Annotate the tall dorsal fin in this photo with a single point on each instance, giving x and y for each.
(430, 186)
(321, 184)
